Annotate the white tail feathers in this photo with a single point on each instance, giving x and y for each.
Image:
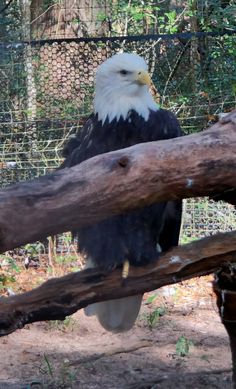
(116, 315)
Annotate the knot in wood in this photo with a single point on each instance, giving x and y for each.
(123, 161)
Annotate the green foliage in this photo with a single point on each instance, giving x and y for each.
(13, 265)
(62, 377)
(10, 263)
(187, 239)
(34, 249)
(5, 279)
(48, 366)
(65, 325)
(10, 21)
(65, 259)
(153, 317)
(215, 15)
(138, 17)
(151, 298)
(9, 268)
(183, 346)
(46, 4)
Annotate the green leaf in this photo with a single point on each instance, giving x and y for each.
(182, 346)
(153, 317)
(13, 265)
(151, 298)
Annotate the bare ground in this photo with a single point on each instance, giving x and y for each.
(80, 354)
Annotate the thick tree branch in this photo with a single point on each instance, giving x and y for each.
(60, 297)
(113, 183)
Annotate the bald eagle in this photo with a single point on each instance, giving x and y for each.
(124, 114)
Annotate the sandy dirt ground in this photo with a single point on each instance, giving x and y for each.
(78, 353)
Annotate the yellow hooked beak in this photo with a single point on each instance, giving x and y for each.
(143, 78)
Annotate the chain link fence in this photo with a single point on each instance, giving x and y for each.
(203, 217)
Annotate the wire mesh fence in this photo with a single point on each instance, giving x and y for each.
(203, 217)
(47, 91)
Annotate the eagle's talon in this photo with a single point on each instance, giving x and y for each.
(125, 270)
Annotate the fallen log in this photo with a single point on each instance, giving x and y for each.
(113, 183)
(60, 297)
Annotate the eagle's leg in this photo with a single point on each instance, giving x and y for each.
(125, 270)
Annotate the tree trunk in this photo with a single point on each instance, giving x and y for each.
(68, 19)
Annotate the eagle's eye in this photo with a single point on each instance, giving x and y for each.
(123, 72)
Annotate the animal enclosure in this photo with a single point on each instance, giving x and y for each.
(49, 53)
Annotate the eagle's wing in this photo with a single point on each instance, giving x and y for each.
(77, 143)
(169, 236)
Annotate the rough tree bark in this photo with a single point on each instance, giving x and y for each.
(113, 183)
(63, 296)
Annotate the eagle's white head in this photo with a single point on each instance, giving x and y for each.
(122, 84)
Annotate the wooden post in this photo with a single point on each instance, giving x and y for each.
(225, 288)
